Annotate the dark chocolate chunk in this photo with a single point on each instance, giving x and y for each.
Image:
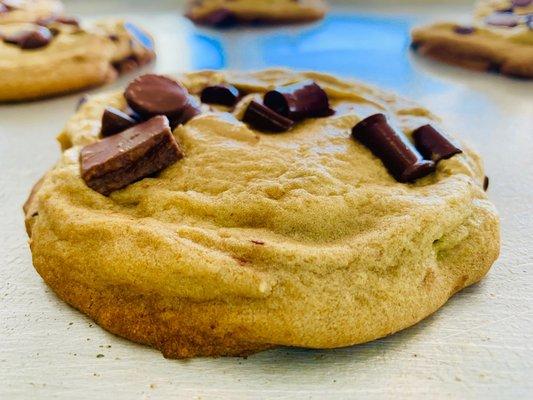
(115, 121)
(506, 19)
(30, 38)
(141, 36)
(119, 160)
(221, 18)
(265, 119)
(395, 151)
(486, 182)
(298, 101)
(433, 145)
(464, 30)
(226, 95)
(521, 3)
(151, 95)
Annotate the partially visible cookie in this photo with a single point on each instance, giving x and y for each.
(221, 13)
(28, 10)
(57, 55)
(500, 39)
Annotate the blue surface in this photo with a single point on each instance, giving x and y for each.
(369, 48)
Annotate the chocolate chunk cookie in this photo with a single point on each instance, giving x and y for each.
(357, 216)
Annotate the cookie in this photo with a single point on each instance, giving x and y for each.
(57, 55)
(223, 13)
(286, 208)
(12, 11)
(500, 39)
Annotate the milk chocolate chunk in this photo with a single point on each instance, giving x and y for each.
(392, 148)
(433, 145)
(115, 121)
(190, 110)
(151, 95)
(119, 160)
(265, 119)
(226, 95)
(30, 38)
(298, 101)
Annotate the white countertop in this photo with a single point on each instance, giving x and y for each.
(480, 345)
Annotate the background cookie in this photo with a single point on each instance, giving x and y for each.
(500, 39)
(253, 239)
(58, 56)
(28, 10)
(229, 12)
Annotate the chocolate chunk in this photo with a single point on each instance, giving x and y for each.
(3, 8)
(433, 145)
(30, 39)
(126, 65)
(221, 18)
(115, 121)
(395, 151)
(464, 30)
(226, 95)
(138, 34)
(119, 160)
(265, 119)
(191, 110)
(298, 101)
(521, 3)
(151, 95)
(506, 19)
(486, 182)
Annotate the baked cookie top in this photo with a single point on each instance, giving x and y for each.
(28, 10)
(512, 19)
(31, 54)
(228, 12)
(240, 207)
(499, 39)
(64, 38)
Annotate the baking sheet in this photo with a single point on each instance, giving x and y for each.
(480, 345)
